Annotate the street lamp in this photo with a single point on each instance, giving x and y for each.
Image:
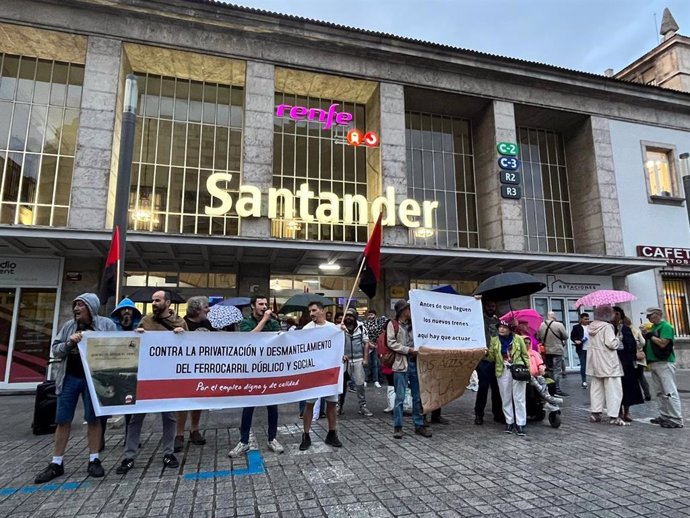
(124, 169)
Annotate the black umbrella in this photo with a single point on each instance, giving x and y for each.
(301, 301)
(509, 285)
(146, 294)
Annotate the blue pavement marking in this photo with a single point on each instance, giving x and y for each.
(68, 486)
(255, 466)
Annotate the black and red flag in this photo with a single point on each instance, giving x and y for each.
(111, 271)
(371, 271)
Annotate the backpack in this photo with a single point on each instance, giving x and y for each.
(386, 354)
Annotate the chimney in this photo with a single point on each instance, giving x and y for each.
(669, 27)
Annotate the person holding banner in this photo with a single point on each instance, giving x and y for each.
(70, 382)
(400, 340)
(508, 349)
(196, 320)
(162, 319)
(318, 319)
(259, 321)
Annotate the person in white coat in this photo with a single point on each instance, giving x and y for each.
(604, 367)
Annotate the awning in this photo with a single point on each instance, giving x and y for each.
(166, 252)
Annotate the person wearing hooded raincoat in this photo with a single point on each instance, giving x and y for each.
(70, 383)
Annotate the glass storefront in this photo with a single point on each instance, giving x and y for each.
(25, 336)
(33, 336)
(440, 166)
(186, 131)
(39, 119)
(546, 198)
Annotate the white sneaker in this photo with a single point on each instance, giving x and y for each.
(584, 385)
(377, 384)
(238, 450)
(365, 384)
(275, 446)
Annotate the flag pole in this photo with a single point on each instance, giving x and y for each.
(354, 286)
(117, 282)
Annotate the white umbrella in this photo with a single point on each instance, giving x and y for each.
(223, 316)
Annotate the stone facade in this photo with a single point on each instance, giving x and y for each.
(90, 180)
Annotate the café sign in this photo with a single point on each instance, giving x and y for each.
(331, 209)
(673, 256)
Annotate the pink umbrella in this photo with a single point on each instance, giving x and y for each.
(528, 321)
(601, 297)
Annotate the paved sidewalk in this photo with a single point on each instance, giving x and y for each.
(581, 469)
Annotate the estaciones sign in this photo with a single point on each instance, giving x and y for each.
(673, 256)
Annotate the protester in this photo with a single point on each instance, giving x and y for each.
(640, 368)
(70, 382)
(505, 350)
(375, 326)
(553, 335)
(356, 358)
(658, 340)
(161, 319)
(126, 317)
(329, 316)
(579, 335)
(318, 319)
(630, 339)
(261, 320)
(486, 371)
(400, 340)
(196, 320)
(338, 319)
(604, 367)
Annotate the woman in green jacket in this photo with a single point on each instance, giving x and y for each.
(505, 350)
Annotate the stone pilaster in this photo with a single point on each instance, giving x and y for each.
(501, 223)
(393, 153)
(257, 153)
(90, 179)
(253, 279)
(593, 193)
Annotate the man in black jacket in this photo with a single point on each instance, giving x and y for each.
(579, 336)
(486, 371)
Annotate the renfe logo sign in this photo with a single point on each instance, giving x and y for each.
(327, 118)
(672, 255)
(331, 209)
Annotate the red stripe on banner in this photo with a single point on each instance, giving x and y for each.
(198, 387)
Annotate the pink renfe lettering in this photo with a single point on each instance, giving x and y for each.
(298, 112)
(327, 118)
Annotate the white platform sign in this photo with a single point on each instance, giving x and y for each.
(444, 321)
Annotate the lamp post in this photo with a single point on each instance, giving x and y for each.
(124, 169)
(685, 173)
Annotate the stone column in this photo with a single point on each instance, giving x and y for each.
(393, 153)
(501, 223)
(394, 279)
(257, 155)
(253, 279)
(89, 196)
(593, 193)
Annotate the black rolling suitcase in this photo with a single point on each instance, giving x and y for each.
(45, 409)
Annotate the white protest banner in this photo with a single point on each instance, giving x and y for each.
(445, 321)
(155, 371)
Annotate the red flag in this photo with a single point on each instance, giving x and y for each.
(371, 273)
(109, 279)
